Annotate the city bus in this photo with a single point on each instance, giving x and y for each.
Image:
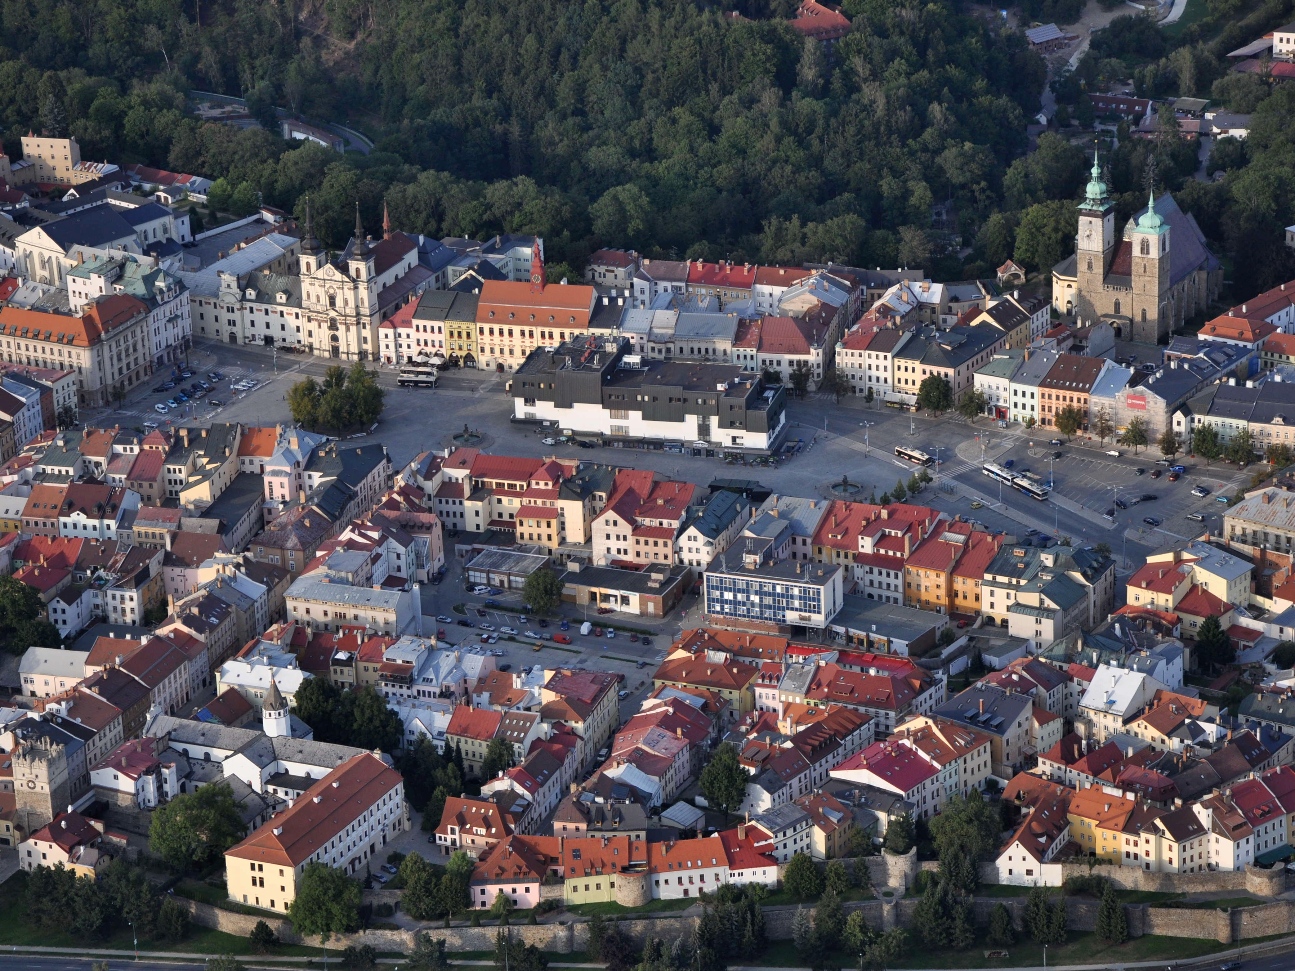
(998, 472)
(1031, 489)
(916, 456)
(414, 376)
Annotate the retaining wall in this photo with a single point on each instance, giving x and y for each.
(1268, 883)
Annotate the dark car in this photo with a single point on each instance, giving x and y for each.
(436, 579)
(583, 444)
(160, 388)
(564, 625)
(215, 376)
(167, 385)
(645, 642)
(1139, 471)
(542, 622)
(1121, 504)
(465, 623)
(480, 612)
(1151, 520)
(1149, 497)
(1156, 473)
(1110, 513)
(1008, 463)
(492, 603)
(505, 668)
(1055, 441)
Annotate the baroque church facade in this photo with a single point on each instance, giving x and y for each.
(1146, 281)
(345, 299)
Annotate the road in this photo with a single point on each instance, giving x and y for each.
(847, 438)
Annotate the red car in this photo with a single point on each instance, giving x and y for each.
(561, 639)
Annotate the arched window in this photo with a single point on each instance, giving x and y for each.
(1144, 315)
(1090, 264)
(1146, 247)
(1117, 307)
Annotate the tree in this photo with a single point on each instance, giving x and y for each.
(965, 833)
(359, 957)
(935, 393)
(802, 878)
(263, 939)
(900, 492)
(1135, 433)
(1241, 448)
(1112, 923)
(303, 402)
(899, 834)
(1280, 456)
(327, 903)
(374, 726)
(723, 780)
(829, 919)
(66, 417)
(802, 931)
(1069, 420)
(498, 758)
(197, 827)
(1103, 427)
(836, 383)
(514, 954)
(1000, 933)
(1213, 647)
(543, 591)
(225, 962)
(1205, 442)
(836, 877)
(21, 626)
(318, 703)
(421, 896)
(455, 895)
(1046, 234)
(1169, 442)
(346, 400)
(429, 953)
(857, 935)
(172, 920)
(799, 378)
(501, 905)
(972, 404)
(1038, 916)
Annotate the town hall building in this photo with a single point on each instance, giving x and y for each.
(1146, 282)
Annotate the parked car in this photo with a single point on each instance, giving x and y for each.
(1156, 473)
(1174, 476)
(640, 664)
(583, 444)
(634, 638)
(492, 603)
(1151, 520)
(479, 591)
(495, 591)
(604, 610)
(549, 441)
(1200, 492)
(1008, 463)
(530, 633)
(186, 373)
(1180, 469)
(622, 694)
(1055, 441)
(390, 869)
(214, 402)
(611, 634)
(464, 623)
(1149, 497)
(150, 425)
(645, 642)
(505, 668)
(441, 618)
(1196, 517)
(161, 409)
(542, 622)
(564, 626)
(1221, 499)
(597, 632)
(1121, 504)
(1139, 471)
(172, 403)
(489, 627)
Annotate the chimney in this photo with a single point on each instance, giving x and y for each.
(982, 706)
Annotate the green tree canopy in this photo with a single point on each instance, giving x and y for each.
(197, 827)
(935, 393)
(802, 878)
(543, 591)
(327, 903)
(723, 780)
(1214, 648)
(1169, 443)
(1205, 442)
(1070, 419)
(1135, 434)
(21, 625)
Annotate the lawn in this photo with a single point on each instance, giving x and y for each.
(1124, 896)
(782, 898)
(1197, 10)
(1222, 904)
(15, 931)
(610, 909)
(1080, 949)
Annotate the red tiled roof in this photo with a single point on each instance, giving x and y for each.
(820, 22)
(475, 723)
(1199, 602)
(721, 275)
(1159, 577)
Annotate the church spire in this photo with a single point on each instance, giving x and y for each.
(1151, 221)
(386, 221)
(361, 247)
(537, 266)
(308, 243)
(1095, 197)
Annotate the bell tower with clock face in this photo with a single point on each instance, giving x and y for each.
(1094, 241)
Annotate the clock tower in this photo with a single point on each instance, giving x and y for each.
(1094, 242)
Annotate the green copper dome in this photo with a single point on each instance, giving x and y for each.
(1150, 221)
(1095, 196)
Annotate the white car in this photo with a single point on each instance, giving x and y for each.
(150, 424)
(160, 408)
(531, 633)
(507, 630)
(251, 385)
(549, 441)
(488, 626)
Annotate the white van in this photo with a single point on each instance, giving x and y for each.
(1113, 451)
(586, 627)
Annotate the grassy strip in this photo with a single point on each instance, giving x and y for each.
(1079, 949)
(609, 909)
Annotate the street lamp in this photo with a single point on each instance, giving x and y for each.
(135, 936)
(938, 448)
(1045, 956)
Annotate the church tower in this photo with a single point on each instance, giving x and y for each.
(1094, 243)
(360, 262)
(310, 248)
(1152, 313)
(275, 721)
(537, 267)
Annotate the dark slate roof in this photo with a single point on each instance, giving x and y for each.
(90, 227)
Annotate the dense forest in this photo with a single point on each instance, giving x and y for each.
(659, 124)
(675, 127)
